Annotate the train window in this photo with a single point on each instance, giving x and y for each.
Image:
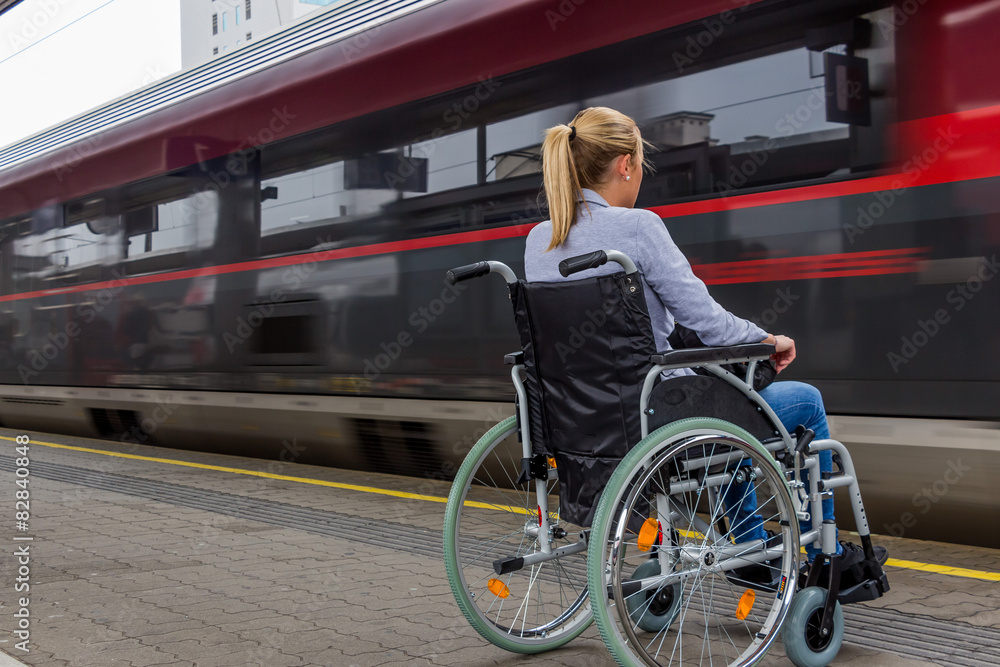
(65, 245)
(415, 168)
(168, 229)
(514, 146)
(310, 197)
(359, 187)
(757, 122)
(449, 162)
(750, 119)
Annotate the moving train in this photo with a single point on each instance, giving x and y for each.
(249, 256)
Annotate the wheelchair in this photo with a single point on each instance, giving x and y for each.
(613, 496)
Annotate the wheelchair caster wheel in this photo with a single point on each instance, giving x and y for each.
(653, 610)
(804, 645)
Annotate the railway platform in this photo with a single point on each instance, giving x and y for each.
(138, 555)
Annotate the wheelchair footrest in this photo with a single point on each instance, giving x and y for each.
(866, 591)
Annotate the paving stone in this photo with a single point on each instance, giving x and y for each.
(121, 580)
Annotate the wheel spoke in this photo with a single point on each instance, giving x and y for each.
(698, 539)
(536, 608)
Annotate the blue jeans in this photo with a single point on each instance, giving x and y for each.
(795, 403)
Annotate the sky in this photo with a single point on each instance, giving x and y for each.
(59, 58)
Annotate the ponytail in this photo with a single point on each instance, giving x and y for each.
(579, 155)
(562, 186)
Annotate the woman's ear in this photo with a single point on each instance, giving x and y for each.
(623, 164)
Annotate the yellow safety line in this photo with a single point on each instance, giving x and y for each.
(944, 569)
(892, 562)
(287, 478)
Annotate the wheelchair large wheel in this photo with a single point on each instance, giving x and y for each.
(665, 503)
(489, 516)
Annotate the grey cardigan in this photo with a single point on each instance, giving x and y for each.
(672, 290)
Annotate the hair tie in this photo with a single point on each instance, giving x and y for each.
(572, 132)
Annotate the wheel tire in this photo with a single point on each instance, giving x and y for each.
(654, 615)
(547, 604)
(800, 636)
(650, 472)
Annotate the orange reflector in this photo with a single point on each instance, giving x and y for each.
(647, 534)
(552, 462)
(499, 589)
(539, 516)
(745, 605)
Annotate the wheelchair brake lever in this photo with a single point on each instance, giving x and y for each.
(803, 436)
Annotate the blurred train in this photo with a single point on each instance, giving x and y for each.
(249, 256)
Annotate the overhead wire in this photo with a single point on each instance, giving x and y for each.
(55, 32)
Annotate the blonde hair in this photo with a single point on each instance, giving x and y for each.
(569, 165)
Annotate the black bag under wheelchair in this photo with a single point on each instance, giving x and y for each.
(613, 495)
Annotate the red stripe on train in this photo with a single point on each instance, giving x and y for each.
(292, 260)
(869, 263)
(961, 146)
(941, 149)
(872, 263)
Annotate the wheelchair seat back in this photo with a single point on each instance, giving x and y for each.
(586, 347)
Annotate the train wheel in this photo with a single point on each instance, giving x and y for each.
(489, 516)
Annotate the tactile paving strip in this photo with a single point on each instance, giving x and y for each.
(949, 643)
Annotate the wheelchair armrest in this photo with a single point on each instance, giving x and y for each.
(695, 356)
(514, 358)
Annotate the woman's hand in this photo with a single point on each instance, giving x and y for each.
(784, 351)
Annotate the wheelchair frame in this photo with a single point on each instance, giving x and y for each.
(786, 458)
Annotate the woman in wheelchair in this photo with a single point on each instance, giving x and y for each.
(651, 489)
(592, 173)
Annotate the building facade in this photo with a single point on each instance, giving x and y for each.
(211, 28)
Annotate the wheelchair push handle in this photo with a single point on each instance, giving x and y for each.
(466, 272)
(478, 269)
(592, 260)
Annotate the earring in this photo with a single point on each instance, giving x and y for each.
(627, 177)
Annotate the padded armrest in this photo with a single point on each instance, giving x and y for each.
(706, 355)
